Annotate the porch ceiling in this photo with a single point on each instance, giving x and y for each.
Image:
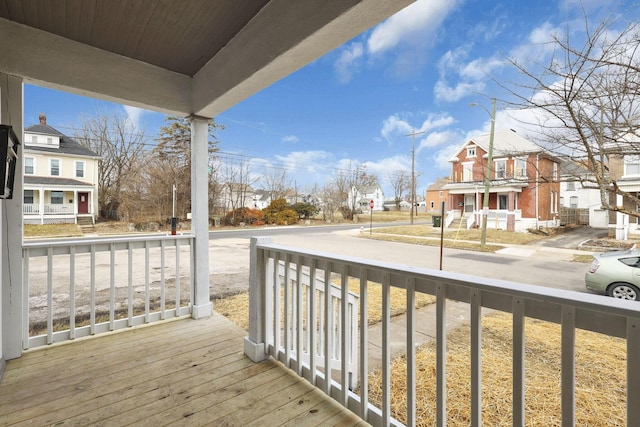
(180, 57)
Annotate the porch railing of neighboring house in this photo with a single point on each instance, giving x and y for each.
(269, 308)
(30, 208)
(81, 287)
(58, 209)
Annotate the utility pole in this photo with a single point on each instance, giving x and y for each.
(488, 173)
(413, 170)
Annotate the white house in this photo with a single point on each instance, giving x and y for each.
(60, 177)
(364, 196)
(574, 195)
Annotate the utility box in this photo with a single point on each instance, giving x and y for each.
(437, 220)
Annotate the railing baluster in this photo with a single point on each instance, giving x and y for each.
(476, 358)
(147, 284)
(177, 280)
(163, 283)
(298, 324)
(49, 295)
(312, 321)
(386, 349)
(344, 325)
(277, 288)
(286, 307)
(633, 371)
(130, 284)
(441, 355)
(328, 326)
(518, 363)
(112, 287)
(568, 355)
(364, 346)
(92, 302)
(411, 352)
(72, 292)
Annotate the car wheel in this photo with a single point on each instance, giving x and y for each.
(624, 291)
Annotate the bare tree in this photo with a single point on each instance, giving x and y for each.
(586, 106)
(238, 181)
(276, 183)
(120, 145)
(351, 183)
(400, 181)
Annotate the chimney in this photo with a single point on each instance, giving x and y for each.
(43, 119)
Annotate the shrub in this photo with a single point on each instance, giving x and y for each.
(243, 215)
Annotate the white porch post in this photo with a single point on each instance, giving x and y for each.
(200, 214)
(11, 307)
(41, 204)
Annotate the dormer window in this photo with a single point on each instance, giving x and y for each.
(471, 151)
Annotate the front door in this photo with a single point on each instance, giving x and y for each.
(469, 200)
(83, 203)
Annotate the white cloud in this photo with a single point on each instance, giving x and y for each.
(444, 92)
(411, 25)
(410, 31)
(394, 126)
(348, 62)
(134, 114)
(291, 138)
(306, 161)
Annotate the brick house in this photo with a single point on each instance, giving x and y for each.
(436, 194)
(524, 189)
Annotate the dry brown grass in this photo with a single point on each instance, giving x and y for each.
(493, 236)
(600, 383)
(61, 230)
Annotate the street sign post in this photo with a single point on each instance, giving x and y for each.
(371, 204)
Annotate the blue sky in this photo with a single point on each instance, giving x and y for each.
(420, 69)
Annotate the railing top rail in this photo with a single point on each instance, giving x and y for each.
(60, 242)
(540, 294)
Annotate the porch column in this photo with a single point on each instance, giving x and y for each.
(11, 307)
(41, 204)
(511, 211)
(200, 214)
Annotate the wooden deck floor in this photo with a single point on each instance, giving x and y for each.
(183, 372)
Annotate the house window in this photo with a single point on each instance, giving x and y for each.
(503, 199)
(28, 166)
(632, 165)
(471, 151)
(573, 202)
(57, 198)
(561, 201)
(34, 139)
(467, 171)
(571, 186)
(432, 205)
(553, 208)
(79, 169)
(440, 194)
(28, 197)
(555, 171)
(49, 140)
(501, 169)
(520, 168)
(55, 167)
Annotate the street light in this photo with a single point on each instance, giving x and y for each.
(487, 176)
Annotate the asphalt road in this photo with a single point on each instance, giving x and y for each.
(550, 269)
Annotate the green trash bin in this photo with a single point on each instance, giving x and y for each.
(436, 220)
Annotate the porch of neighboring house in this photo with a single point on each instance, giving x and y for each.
(503, 211)
(57, 205)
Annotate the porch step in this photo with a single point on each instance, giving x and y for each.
(459, 223)
(86, 224)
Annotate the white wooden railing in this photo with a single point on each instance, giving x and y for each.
(31, 208)
(571, 310)
(127, 281)
(58, 209)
